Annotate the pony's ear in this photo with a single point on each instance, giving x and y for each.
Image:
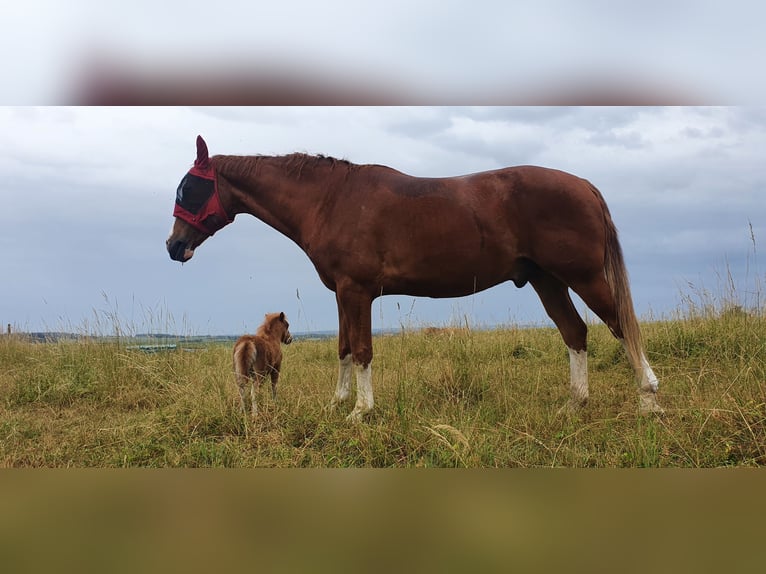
(282, 316)
(202, 155)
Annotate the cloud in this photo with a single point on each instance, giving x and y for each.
(89, 194)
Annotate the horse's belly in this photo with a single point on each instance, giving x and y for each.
(447, 276)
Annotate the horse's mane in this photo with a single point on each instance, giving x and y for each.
(294, 164)
(266, 328)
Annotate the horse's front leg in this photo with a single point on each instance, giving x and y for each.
(355, 350)
(364, 399)
(343, 388)
(345, 366)
(274, 382)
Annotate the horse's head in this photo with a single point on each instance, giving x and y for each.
(198, 211)
(287, 338)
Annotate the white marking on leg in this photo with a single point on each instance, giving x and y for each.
(343, 389)
(578, 373)
(648, 378)
(364, 400)
(647, 387)
(242, 396)
(647, 381)
(253, 390)
(647, 396)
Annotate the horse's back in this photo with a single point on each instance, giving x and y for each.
(452, 236)
(520, 211)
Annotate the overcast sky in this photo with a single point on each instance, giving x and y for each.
(88, 193)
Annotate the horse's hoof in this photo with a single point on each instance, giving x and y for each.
(647, 405)
(356, 416)
(572, 406)
(332, 406)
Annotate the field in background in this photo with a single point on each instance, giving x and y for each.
(444, 398)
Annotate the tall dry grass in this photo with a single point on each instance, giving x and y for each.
(445, 398)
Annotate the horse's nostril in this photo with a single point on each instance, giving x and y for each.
(176, 250)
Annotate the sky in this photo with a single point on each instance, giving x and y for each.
(88, 193)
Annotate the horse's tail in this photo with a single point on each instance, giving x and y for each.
(617, 279)
(244, 357)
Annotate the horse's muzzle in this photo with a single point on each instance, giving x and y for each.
(179, 251)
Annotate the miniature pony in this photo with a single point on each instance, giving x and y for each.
(257, 356)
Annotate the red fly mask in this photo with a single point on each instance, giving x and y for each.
(197, 199)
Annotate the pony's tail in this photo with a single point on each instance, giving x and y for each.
(244, 357)
(617, 279)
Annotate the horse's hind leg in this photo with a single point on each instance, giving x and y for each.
(257, 382)
(555, 298)
(597, 295)
(274, 381)
(242, 383)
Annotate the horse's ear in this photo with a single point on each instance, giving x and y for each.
(202, 155)
(282, 316)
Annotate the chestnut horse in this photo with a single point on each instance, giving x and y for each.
(370, 230)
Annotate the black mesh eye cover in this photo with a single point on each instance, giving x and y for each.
(193, 192)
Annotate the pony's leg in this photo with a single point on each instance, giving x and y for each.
(243, 397)
(555, 298)
(257, 381)
(598, 296)
(242, 383)
(274, 381)
(355, 307)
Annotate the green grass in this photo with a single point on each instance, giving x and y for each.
(443, 398)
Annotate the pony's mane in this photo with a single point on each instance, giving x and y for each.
(294, 164)
(267, 327)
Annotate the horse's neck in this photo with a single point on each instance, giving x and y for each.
(273, 193)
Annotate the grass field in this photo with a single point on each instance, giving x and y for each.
(444, 398)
